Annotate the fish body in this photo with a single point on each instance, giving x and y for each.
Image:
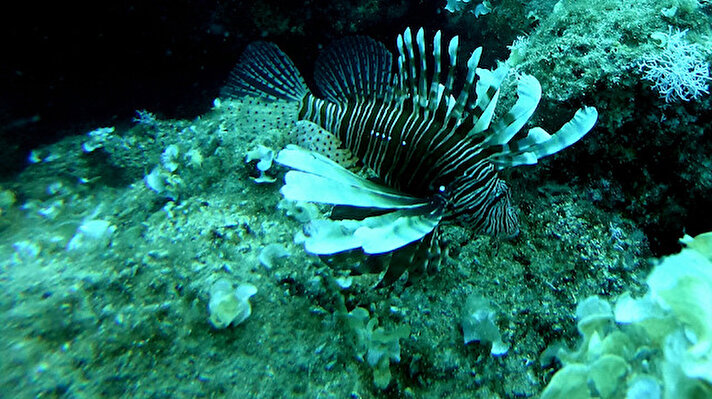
(436, 152)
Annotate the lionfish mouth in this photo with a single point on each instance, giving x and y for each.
(403, 121)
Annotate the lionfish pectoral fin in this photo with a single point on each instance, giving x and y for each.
(385, 233)
(328, 237)
(528, 96)
(374, 235)
(582, 122)
(319, 179)
(265, 71)
(303, 186)
(539, 144)
(314, 138)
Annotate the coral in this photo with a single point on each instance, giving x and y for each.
(660, 343)
(92, 235)
(229, 305)
(97, 137)
(478, 324)
(679, 71)
(378, 346)
(263, 157)
(270, 254)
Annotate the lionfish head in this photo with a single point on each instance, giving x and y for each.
(496, 216)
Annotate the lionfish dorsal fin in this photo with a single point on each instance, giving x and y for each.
(462, 100)
(412, 79)
(354, 68)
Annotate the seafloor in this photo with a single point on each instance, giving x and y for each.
(129, 315)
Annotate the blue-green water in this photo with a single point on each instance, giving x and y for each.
(111, 244)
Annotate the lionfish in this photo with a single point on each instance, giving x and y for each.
(436, 153)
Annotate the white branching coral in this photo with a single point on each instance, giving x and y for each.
(679, 70)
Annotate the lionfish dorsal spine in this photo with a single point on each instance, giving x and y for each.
(409, 71)
(435, 91)
(450, 80)
(423, 91)
(467, 87)
(487, 91)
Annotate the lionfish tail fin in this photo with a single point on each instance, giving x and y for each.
(539, 144)
(265, 71)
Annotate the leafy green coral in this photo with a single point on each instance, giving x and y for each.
(377, 345)
(660, 344)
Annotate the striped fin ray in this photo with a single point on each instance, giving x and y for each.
(452, 47)
(402, 76)
(423, 85)
(487, 90)
(435, 86)
(318, 179)
(528, 96)
(265, 71)
(413, 69)
(375, 234)
(407, 59)
(354, 68)
(469, 80)
(539, 144)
